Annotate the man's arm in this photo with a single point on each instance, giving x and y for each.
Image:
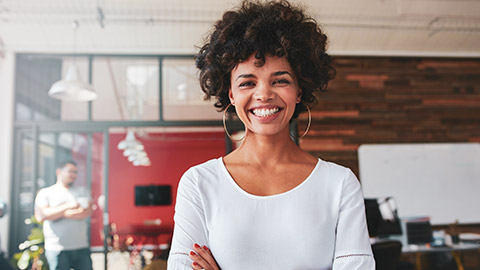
(55, 212)
(79, 212)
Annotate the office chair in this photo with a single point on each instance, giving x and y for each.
(387, 254)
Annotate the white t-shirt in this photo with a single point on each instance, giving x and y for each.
(63, 233)
(319, 224)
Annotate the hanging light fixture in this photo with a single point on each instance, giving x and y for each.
(134, 150)
(142, 162)
(130, 142)
(72, 88)
(137, 156)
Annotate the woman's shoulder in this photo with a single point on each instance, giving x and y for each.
(211, 164)
(206, 170)
(334, 179)
(332, 166)
(334, 172)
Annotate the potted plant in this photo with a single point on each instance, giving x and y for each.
(32, 251)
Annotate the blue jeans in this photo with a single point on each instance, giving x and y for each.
(78, 259)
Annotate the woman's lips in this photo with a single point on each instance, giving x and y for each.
(265, 114)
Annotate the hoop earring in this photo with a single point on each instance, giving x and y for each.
(225, 125)
(309, 121)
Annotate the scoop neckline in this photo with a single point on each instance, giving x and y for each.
(241, 190)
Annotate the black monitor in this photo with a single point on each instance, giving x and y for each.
(382, 218)
(153, 195)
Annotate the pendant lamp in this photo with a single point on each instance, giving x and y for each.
(130, 142)
(134, 150)
(71, 88)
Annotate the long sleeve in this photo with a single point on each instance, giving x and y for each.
(190, 226)
(352, 247)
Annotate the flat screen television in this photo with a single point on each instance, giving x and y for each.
(153, 195)
(382, 218)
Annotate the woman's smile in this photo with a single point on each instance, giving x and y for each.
(265, 113)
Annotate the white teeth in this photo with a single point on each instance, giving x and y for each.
(265, 112)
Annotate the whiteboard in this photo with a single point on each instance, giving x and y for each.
(439, 180)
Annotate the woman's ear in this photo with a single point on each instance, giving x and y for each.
(299, 96)
(230, 96)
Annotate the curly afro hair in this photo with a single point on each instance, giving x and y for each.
(274, 28)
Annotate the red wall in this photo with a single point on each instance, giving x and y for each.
(171, 155)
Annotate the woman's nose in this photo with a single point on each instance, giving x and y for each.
(263, 92)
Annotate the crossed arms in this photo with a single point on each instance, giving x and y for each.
(71, 210)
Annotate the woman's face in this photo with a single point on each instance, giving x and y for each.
(264, 97)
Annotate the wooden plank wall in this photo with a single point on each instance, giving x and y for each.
(393, 100)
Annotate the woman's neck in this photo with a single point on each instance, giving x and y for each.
(266, 149)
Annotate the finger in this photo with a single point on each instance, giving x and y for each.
(210, 253)
(206, 254)
(198, 261)
(208, 250)
(213, 261)
(196, 266)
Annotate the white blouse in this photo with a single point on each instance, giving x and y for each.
(319, 224)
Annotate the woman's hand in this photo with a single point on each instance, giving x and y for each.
(203, 258)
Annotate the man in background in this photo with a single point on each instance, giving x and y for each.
(64, 210)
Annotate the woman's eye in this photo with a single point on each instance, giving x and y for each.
(281, 81)
(246, 84)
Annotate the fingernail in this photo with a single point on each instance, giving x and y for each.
(192, 253)
(205, 247)
(196, 245)
(194, 263)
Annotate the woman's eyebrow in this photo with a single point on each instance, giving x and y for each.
(279, 73)
(245, 76)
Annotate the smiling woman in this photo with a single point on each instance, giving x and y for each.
(264, 97)
(277, 29)
(268, 204)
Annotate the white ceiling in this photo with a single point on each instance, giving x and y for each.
(356, 27)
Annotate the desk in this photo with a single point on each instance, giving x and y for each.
(425, 249)
(455, 249)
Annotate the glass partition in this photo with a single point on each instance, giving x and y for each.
(127, 89)
(161, 90)
(182, 96)
(34, 76)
